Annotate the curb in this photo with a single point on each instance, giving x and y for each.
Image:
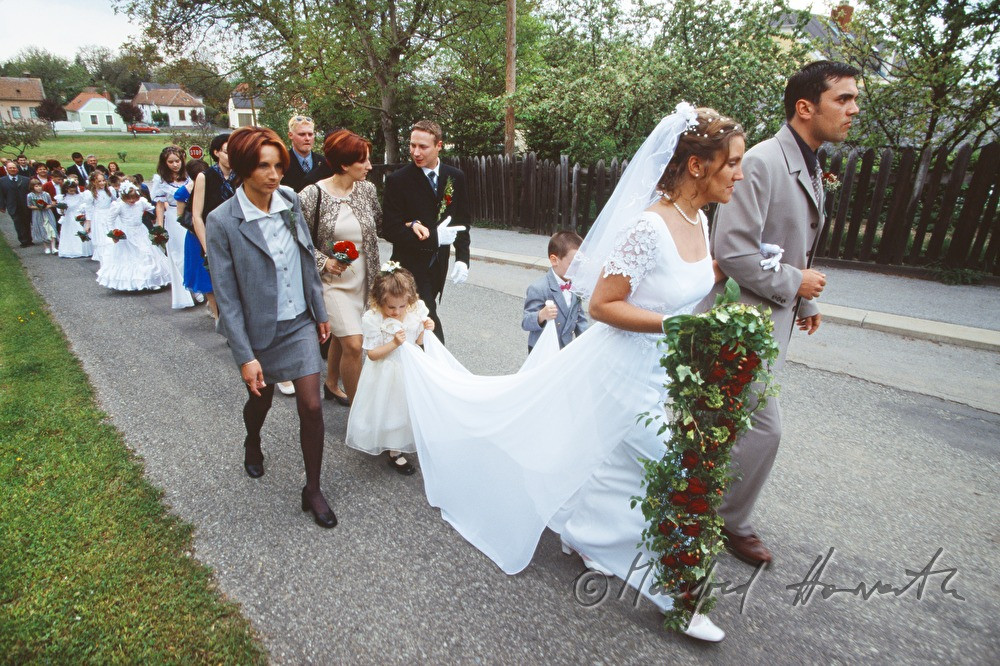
(910, 327)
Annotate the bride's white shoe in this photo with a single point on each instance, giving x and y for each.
(704, 629)
(587, 562)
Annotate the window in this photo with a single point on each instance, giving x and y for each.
(15, 112)
(180, 114)
(33, 112)
(93, 119)
(109, 121)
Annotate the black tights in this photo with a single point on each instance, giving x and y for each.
(311, 430)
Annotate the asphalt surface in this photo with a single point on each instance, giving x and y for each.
(877, 470)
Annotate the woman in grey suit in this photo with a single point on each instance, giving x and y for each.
(270, 300)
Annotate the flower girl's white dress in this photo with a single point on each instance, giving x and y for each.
(70, 245)
(379, 419)
(134, 263)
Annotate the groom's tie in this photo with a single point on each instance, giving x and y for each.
(431, 176)
(817, 180)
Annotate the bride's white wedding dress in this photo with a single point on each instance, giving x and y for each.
(557, 443)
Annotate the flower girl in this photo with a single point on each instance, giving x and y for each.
(379, 420)
(71, 243)
(132, 263)
(43, 220)
(99, 203)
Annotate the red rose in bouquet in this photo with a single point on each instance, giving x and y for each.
(666, 527)
(344, 251)
(690, 559)
(691, 530)
(679, 499)
(697, 487)
(689, 459)
(117, 235)
(698, 505)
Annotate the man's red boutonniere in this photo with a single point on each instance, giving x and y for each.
(830, 182)
(449, 191)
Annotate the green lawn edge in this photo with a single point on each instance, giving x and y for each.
(93, 569)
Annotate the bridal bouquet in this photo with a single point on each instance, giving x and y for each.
(116, 235)
(716, 363)
(158, 236)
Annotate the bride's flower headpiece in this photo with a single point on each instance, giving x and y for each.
(389, 267)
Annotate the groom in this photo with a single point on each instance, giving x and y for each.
(417, 198)
(780, 201)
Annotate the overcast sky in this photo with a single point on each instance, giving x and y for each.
(69, 24)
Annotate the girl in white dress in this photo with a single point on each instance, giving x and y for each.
(379, 420)
(169, 177)
(99, 200)
(558, 444)
(70, 243)
(134, 263)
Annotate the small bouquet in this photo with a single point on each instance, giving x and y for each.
(158, 236)
(117, 235)
(84, 236)
(62, 205)
(830, 182)
(449, 191)
(344, 251)
(81, 218)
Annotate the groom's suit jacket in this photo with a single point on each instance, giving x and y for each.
(408, 197)
(571, 320)
(775, 203)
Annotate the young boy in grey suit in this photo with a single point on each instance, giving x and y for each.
(549, 297)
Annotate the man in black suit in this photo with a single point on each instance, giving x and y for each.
(14, 201)
(78, 169)
(306, 167)
(417, 198)
(24, 168)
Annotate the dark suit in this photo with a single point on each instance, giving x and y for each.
(297, 179)
(74, 170)
(14, 199)
(409, 197)
(26, 172)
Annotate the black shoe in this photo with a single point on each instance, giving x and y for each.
(253, 460)
(325, 519)
(27, 244)
(405, 467)
(330, 395)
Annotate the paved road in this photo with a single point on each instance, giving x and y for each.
(883, 475)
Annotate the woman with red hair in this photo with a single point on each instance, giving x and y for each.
(270, 301)
(344, 207)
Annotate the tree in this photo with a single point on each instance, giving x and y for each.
(61, 79)
(129, 112)
(365, 52)
(198, 77)
(117, 72)
(930, 71)
(50, 110)
(18, 135)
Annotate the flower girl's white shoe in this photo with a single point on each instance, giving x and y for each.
(704, 629)
(587, 562)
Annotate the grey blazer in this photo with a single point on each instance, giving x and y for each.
(571, 319)
(775, 203)
(245, 280)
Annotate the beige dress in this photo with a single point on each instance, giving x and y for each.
(356, 218)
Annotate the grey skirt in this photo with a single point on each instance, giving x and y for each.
(293, 353)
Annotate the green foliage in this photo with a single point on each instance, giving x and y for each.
(92, 569)
(956, 276)
(16, 136)
(51, 110)
(61, 79)
(929, 71)
(717, 368)
(161, 118)
(198, 77)
(118, 72)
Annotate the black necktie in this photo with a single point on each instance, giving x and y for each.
(431, 176)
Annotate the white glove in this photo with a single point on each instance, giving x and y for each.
(459, 272)
(772, 257)
(446, 234)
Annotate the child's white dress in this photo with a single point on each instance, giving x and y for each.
(134, 263)
(70, 244)
(98, 210)
(379, 419)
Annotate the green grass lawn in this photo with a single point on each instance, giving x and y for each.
(141, 152)
(92, 568)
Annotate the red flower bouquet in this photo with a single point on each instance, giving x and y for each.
(117, 235)
(158, 236)
(344, 251)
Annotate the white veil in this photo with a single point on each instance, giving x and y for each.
(635, 192)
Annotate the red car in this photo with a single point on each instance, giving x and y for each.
(143, 128)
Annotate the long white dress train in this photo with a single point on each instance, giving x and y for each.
(177, 236)
(505, 456)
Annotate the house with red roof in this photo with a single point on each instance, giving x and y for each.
(19, 98)
(182, 109)
(94, 111)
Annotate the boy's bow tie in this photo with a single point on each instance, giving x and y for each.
(565, 286)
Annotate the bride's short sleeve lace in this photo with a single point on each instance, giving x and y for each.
(634, 254)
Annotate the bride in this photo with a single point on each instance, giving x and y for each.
(558, 443)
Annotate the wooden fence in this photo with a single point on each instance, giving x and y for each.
(894, 206)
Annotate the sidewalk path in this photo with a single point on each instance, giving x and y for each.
(967, 315)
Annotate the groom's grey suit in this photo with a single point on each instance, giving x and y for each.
(776, 203)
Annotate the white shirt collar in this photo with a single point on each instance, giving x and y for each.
(559, 280)
(251, 212)
(436, 169)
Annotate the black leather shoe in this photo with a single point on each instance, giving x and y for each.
(253, 460)
(325, 519)
(405, 467)
(330, 395)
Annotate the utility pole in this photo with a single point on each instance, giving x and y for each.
(508, 134)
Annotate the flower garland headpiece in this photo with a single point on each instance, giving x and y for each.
(389, 267)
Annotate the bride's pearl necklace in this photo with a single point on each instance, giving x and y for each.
(687, 219)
